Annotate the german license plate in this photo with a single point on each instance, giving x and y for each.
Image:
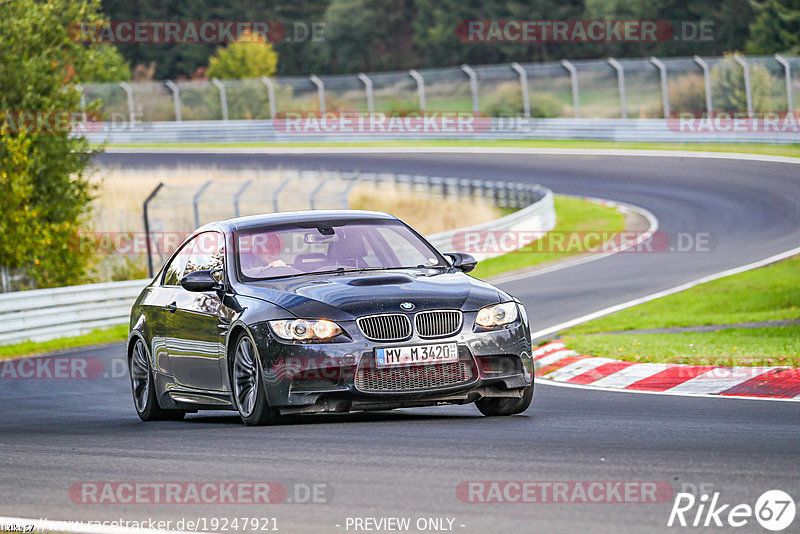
(417, 354)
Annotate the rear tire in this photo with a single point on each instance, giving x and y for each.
(502, 406)
(247, 385)
(144, 392)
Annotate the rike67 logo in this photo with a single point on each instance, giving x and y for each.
(774, 510)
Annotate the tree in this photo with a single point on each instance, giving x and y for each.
(727, 21)
(249, 57)
(438, 44)
(776, 27)
(109, 66)
(369, 35)
(44, 187)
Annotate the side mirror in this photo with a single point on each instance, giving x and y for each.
(200, 281)
(462, 262)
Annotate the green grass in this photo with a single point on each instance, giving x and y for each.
(765, 294)
(748, 148)
(97, 337)
(736, 346)
(572, 215)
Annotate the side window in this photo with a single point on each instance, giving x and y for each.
(207, 253)
(174, 271)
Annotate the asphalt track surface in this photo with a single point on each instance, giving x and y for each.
(408, 463)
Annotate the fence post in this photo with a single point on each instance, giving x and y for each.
(662, 69)
(147, 244)
(312, 198)
(131, 105)
(277, 193)
(523, 83)
(196, 200)
(223, 97)
(368, 87)
(354, 182)
(787, 70)
(748, 89)
(573, 78)
(420, 88)
(473, 88)
(273, 110)
(707, 82)
(320, 92)
(176, 98)
(238, 195)
(623, 107)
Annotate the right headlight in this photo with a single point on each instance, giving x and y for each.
(497, 315)
(305, 329)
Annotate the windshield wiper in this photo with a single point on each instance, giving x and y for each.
(342, 270)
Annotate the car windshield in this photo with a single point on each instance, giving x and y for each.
(331, 246)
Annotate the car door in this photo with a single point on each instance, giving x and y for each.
(196, 346)
(159, 306)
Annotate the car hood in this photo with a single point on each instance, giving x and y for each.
(345, 296)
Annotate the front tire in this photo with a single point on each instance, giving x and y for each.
(502, 406)
(248, 385)
(144, 392)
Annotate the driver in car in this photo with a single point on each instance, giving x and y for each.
(265, 254)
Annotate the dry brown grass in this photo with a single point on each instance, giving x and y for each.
(118, 206)
(428, 214)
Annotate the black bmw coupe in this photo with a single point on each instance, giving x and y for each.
(323, 311)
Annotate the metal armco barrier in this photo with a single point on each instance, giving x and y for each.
(239, 131)
(42, 314)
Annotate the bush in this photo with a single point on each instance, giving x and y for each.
(688, 93)
(249, 57)
(506, 101)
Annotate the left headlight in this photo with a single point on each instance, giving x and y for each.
(305, 329)
(497, 315)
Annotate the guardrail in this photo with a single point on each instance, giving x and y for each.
(486, 129)
(42, 314)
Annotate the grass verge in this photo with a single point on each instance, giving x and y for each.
(747, 148)
(96, 337)
(573, 215)
(771, 346)
(765, 294)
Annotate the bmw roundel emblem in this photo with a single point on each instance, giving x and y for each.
(407, 306)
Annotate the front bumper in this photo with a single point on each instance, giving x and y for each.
(341, 376)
